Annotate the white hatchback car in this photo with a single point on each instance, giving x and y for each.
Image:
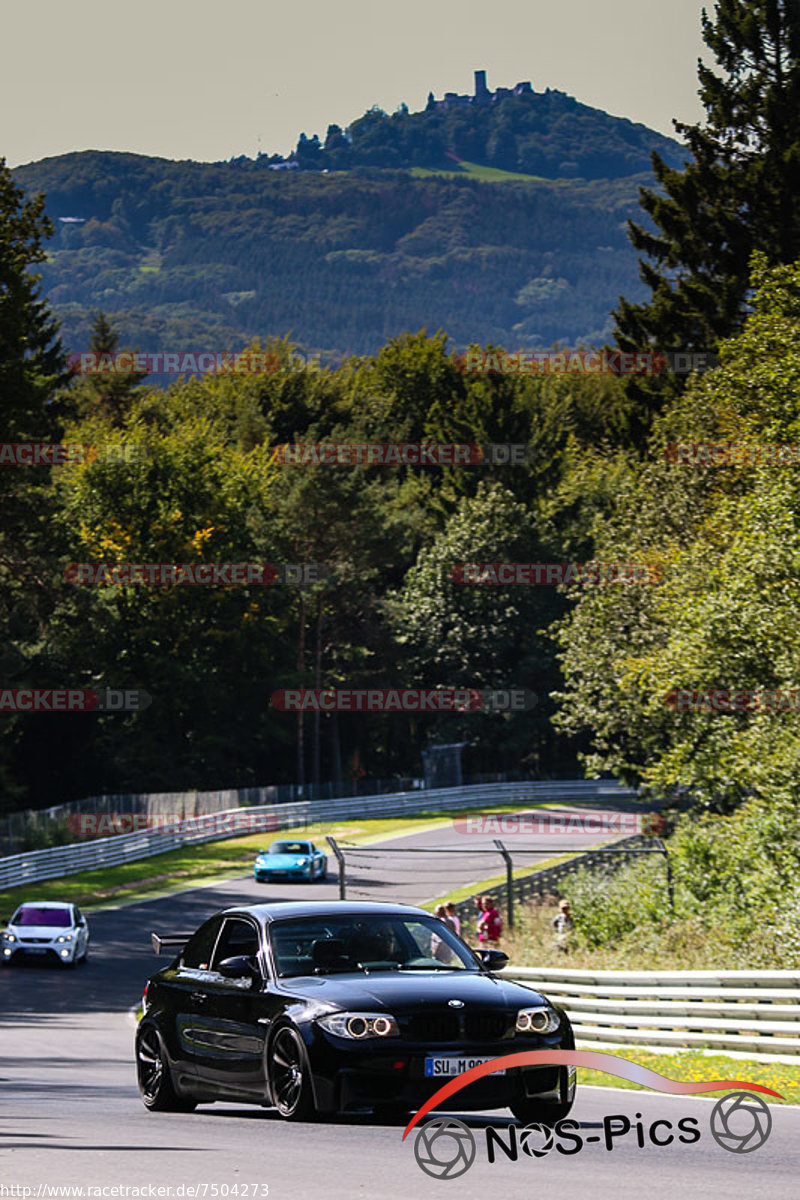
(46, 928)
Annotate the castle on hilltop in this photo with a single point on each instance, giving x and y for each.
(482, 94)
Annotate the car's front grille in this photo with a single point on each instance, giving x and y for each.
(432, 1027)
(485, 1026)
(35, 941)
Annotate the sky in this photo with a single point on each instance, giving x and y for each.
(208, 80)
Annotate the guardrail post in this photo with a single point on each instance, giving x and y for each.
(340, 860)
(509, 882)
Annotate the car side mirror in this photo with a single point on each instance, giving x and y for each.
(493, 960)
(238, 967)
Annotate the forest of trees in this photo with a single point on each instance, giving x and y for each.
(192, 256)
(205, 485)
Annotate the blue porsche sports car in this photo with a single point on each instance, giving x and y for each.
(290, 860)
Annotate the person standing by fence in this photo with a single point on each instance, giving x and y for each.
(490, 924)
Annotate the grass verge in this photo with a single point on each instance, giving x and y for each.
(687, 1065)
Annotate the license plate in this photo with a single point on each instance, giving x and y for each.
(35, 949)
(448, 1067)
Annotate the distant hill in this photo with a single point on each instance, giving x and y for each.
(191, 256)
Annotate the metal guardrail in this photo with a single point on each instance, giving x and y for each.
(751, 1011)
(36, 865)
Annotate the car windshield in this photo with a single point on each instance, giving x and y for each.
(29, 915)
(290, 848)
(371, 942)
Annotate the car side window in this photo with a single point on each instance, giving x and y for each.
(197, 951)
(238, 937)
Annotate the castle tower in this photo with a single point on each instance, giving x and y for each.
(481, 90)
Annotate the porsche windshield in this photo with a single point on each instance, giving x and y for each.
(290, 848)
(355, 942)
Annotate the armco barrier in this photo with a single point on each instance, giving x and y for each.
(112, 851)
(742, 1011)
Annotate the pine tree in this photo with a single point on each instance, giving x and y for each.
(32, 361)
(32, 367)
(107, 394)
(738, 192)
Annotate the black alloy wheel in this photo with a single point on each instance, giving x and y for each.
(152, 1073)
(290, 1075)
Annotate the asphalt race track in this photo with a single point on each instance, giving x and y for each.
(71, 1114)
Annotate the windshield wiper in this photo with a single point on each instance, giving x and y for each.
(428, 967)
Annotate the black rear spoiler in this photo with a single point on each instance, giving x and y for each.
(169, 939)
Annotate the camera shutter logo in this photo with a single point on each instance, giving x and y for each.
(741, 1122)
(536, 1147)
(445, 1148)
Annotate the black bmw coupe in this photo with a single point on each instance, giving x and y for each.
(335, 1007)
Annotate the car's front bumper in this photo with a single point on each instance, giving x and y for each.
(63, 952)
(352, 1076)
(263, 874)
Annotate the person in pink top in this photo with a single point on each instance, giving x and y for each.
(489, 922)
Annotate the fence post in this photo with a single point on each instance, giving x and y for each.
(670, 890)
(340, 859)
(509, 882)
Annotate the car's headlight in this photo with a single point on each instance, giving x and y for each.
(537, 1020)
(64, 937)
(360, 1025)
(9, 937)
(302, 862)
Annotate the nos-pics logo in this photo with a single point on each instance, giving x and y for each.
(446, 1148)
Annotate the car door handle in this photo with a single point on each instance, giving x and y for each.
(199, 997)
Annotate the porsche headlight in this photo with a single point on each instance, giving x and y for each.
(360, 1025)
(302, 862)
(537, 1020)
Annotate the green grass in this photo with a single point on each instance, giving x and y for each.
(695, 1065)
(472, 170)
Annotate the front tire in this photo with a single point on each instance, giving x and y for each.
(290, 1076)
(152, 1073)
